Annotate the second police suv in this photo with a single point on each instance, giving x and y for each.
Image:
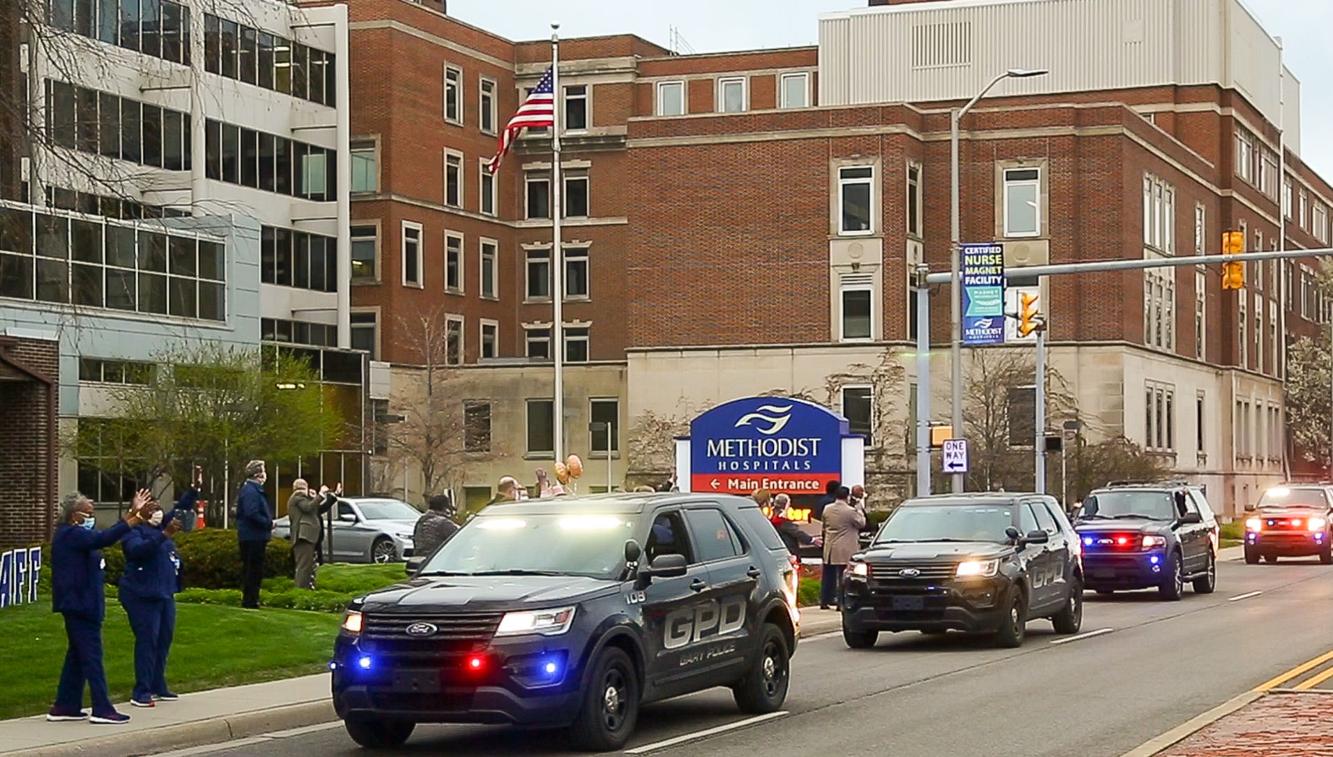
(573, 612)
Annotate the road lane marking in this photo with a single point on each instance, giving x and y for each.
(646, 748)
(1239, 597)
(1313, 681)
(1082, 636)
(1304, 667)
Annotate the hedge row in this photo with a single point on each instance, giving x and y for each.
(211, 559)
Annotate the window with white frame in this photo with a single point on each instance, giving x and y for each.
(576, 343)
(605, 411)
(576, 273)
(537, 342)
(537, 191)
(1275, 353)
(412, 273)
(856, 309)
(453, 178)
(574, 203)
(1304, 219)
(1258, 330)
(576, 107)
(541, 426)
(1200, 229)
(538, 274)
(490, 339)
(1159, 215)
(365, 169)
(362, 331)
(1268, 174)
(670, 98)
(1022, 202)
(1160, 426)
(487, 105)
(453, 95)
(1286, 197)
(856, 193)
(486, 185)
(1320, 222)
(1243, 321)
(490, 269)
(794, 90)
(453, 262)
(1244, 155)
(1159, 307)
(858, 408)
(1200, 314)
(365, 252)
(731, 94)
(1200, 406)
(453, 340)
(915, 201)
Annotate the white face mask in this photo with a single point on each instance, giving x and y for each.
(155, 519)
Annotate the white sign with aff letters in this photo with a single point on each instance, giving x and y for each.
(20, 570)
(955, 456)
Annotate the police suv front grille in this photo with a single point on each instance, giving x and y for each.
(899, 572)
(453, 628)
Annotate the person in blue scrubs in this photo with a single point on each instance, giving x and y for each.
(148, 593)
(77, 593)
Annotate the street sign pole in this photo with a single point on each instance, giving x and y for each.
(1039, 403)
(922, 384)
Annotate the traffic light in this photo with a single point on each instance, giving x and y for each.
(1029, 316)
(1233, 271)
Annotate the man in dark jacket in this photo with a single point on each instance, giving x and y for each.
(254, 527)
(77, 593)
(148, 593)
(435, 527)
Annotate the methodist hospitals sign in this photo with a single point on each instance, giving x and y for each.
(776, 443)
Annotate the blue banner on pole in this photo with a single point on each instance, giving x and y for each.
(983, 294)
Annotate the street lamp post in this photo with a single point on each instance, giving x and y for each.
(955, 241)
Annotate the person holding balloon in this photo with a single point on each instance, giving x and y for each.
(565, 475)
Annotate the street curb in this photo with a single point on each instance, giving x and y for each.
(1189, 727)
(817, 626)
(184, 735)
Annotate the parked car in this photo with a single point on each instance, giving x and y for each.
(366, 529)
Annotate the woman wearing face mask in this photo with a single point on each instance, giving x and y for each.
(77, 593)
(148, 593)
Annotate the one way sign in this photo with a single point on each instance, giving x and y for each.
(955, 456)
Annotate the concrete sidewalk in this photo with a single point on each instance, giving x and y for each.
(220, 715)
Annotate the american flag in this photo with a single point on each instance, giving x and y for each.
(537, 110)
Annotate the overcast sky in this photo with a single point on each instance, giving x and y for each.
(712, 25)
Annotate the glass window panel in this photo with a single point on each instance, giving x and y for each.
(84, 17)
(318, 263)
(89, 128)
(301, 257)
(88, 285)
(300, 65)
(152, 293)
(212, 44)
(16, 230)
(62, 14)
(364, 243)
(213, 150)
(109, 112)
(185, 35)
(171, 31)
(151, 24)
(183, 298)
(86, 241)
(316, 77)
(282, 65)
(856, 320)
(267, 253)
(231, 32)
(576, 197)
(152, 135)
(247, 55)
(152, 251)
(53, 236)
(267, 156)
(183, 256)
(330, 264)
(282, 257)
(173, 148)
(211, 261)
(264, 77)
(283, 169)
(539, 198)
(52, 280)
(231, 154)
(16, 276)
(129, 24)
(61, 109)
(330, 80)
(120, 289)
(250, 158)
(131, 130)
(120, 246)
(541, 426)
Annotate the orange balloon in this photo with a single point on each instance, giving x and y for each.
(575, 466)
(561, 473)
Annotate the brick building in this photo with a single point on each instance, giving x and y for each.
(746, 222)
(29, 376)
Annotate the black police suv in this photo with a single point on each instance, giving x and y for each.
(981, 563)
(1292, 520)
(1142, 536)
(550, 613)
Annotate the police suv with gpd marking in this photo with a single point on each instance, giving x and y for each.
(550, 613)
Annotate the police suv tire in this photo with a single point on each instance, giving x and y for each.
(1251, 555)
(606, 720)
(379, 734)
(764, 688)
(1172, 587)
(1206, 583)
(858, 639)
(1070, 617)
(1326, 554)
(1270, 559)
(1014, 627)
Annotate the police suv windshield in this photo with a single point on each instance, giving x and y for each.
(1284, 497)
(947, 523)
(1129, 504)
(547, 544)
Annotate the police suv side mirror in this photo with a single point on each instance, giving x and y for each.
(632, 551)
(1037, 537)
(1191, 519)
(1250, 508)
(666, 566)
(1014, 534)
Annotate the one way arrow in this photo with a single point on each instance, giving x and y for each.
(716, 484)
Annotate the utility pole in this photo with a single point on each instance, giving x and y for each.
(1039, 412)
(923, 382)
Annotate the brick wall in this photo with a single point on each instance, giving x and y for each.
(29, 447)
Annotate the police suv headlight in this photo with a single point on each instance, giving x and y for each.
(544, 622)
(860, 569)
(352, 623)
(978, 568)
(1150, 541)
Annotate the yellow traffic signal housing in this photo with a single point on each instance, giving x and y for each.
(1233, 275)
(1029, 316)
(1233, 271)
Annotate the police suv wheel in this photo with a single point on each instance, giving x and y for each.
(610, 703)
(1326, 554)
(1173, 586)
(764, 688)
(1070, 617)
(379, 734)
(1251, 555)
(858, 639)
(1206, 583)
(1014, 626)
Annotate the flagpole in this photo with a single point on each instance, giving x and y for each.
(557, 254)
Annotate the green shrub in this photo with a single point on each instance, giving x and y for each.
(211, 559)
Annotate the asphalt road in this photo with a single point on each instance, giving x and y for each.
(1160, 664)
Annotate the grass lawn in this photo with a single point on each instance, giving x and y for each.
(214, 646)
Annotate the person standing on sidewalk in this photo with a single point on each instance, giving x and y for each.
(842, 528)
(148, 589)
(77, 593)
(304, 508)
(254, 527)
